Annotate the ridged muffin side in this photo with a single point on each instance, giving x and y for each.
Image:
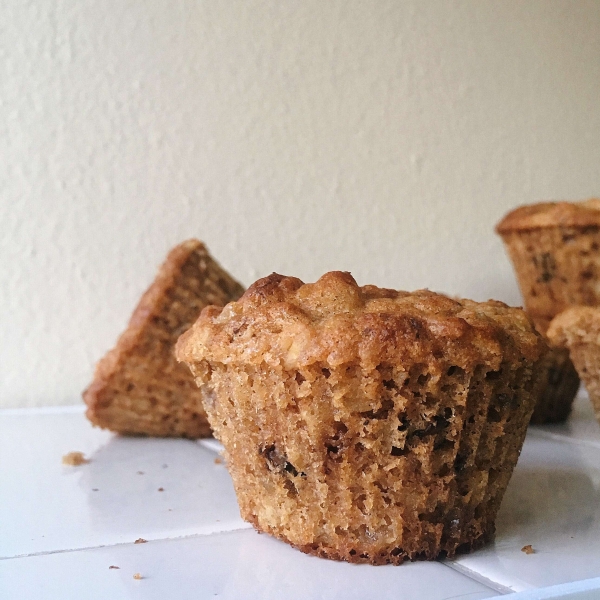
(555, 249)
(365, 424)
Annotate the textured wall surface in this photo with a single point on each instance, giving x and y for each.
(385, 138)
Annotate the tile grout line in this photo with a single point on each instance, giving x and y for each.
(478, 577)
(245, 527)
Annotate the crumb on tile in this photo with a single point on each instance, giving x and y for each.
(528, 549)
(94, 489)
(140, 541)
(218, 460)
(114, 567)
(160, 489)
(74, 459)
(137, 576)
(140, 472)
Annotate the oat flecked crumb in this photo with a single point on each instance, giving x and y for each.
(528, 549)
(114, 567)
(137, 576)
(140, 541)
(74, 459)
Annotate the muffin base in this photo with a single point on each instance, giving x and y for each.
(371, 467)
(394, 557)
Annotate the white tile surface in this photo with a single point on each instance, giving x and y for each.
(54, 523)
(46, 506)
(240, 565)
(588, 589)
(552, 503)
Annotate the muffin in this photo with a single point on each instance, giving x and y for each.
(366, 424)
(561, 382)
(139, 387)
(555, 250)
(578, 328)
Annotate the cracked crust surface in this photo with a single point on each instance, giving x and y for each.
(335, 321)
(138, 387)
(365, 424)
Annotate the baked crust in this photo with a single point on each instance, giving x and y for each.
(334, 320)
(576, 325)
(578, 329)
(138, 387)
(365, 424)
(551, 214)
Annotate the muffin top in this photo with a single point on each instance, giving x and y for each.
(576, 325)
(283, 321)
(551, 214)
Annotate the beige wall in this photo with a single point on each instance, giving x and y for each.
(385, 138)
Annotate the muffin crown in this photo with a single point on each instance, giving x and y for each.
(281, 320)
(576, 325)
(551, 214)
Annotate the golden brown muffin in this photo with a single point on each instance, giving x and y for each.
(555, 250)
(138, 387)
(578, 328)
(366, 424)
